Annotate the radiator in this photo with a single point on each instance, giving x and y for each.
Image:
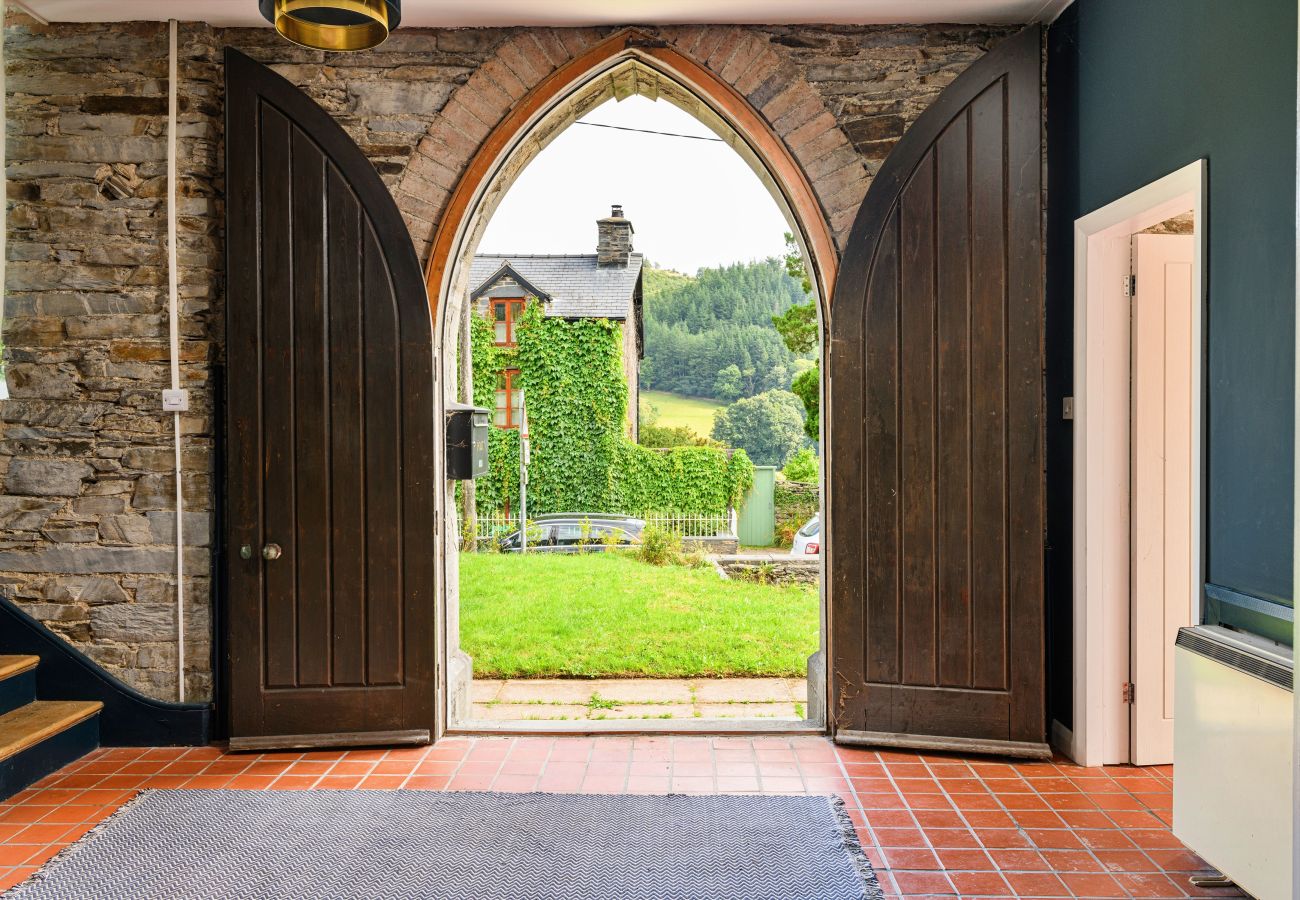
(1233, 715)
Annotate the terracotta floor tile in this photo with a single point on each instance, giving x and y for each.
(515, 783)
(1019, 860)
(1151, 885)
(1036, 884)
(910, 858)
(914, 883)
(1054, 838)
(470, 782)
(943, 824)
(982, 884)
(1091, 884)
(954, 838)
(1125, 861)
(968, 860)
(900, 837)
(1070, 861)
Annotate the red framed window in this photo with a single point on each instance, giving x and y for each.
(505, 313)
(508, 399)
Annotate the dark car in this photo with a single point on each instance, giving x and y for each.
(577, 532)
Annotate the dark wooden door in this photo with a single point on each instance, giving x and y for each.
(330, 476)
(935, 362)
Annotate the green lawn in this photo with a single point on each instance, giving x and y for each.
(674, 409)
(607, 615)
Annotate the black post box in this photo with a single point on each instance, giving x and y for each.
(467, 441)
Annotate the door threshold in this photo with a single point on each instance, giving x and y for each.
(638, 726)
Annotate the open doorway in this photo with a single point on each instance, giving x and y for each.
(643, 426)
(1138, 439)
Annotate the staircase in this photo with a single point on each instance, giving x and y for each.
(39, 736)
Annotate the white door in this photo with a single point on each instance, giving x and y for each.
(1161, 485)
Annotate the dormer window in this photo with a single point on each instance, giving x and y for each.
(506, 311)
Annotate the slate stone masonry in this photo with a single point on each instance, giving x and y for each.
(87, 525)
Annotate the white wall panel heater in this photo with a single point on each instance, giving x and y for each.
(1233, 739)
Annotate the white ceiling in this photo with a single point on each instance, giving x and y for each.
(459, 13)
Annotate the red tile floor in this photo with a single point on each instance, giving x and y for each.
(933, 824)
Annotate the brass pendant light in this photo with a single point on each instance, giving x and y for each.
(341, 25)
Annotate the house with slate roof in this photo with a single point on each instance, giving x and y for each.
(601, 285)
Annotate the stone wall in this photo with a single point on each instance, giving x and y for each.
(86, 485)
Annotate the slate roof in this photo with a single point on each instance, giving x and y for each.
(579, 288)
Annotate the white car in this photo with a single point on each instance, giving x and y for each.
(808, 540)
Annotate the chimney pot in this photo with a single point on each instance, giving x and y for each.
(614, 238)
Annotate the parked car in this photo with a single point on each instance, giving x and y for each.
(808, 540)
(576, 532)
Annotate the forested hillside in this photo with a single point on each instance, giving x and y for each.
(712, 335)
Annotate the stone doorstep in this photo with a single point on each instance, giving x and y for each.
(569, 699)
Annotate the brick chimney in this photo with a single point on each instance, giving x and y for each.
(614, 243)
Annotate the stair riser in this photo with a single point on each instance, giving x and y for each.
(51, 754)
(17, 690)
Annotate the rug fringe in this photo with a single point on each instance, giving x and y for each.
(871, 889)
(44, 871)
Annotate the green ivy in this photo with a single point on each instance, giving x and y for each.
(575, 394)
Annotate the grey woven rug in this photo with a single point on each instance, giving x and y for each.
(376, 845)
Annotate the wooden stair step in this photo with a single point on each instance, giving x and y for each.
(29, 725)
(16, 665)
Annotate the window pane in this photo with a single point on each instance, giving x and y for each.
(568, 535)
(502, 333)
(499, 311)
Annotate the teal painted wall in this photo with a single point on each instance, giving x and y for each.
(1135, 91)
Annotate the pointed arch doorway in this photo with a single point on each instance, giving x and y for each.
(627, 64)
(932, 644)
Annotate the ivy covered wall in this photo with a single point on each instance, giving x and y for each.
(575, 389)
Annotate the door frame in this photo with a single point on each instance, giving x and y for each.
(1102, 371)
(511, 145)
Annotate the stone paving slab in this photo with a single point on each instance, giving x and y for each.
(555, 699)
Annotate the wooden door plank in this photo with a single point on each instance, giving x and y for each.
(308, 553)
(278, 401)
(347, 552)
(1026, 517)
(988, 394)
(883, 576)
(952, 155)
(381, 385)
(917, 332)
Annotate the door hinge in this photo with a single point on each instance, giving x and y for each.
(1067, 408)
(1130, 285)
(1128, 692)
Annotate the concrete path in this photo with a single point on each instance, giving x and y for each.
(658, 698)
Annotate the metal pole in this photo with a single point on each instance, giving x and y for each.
(468, 498)
(523, 475)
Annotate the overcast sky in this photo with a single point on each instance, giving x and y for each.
(692, 203)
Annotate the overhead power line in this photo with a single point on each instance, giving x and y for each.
(693, 137)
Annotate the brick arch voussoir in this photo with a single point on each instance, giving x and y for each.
(761, 72)
(476, 107)
(743, 58)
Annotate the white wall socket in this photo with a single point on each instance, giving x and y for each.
(176, 400)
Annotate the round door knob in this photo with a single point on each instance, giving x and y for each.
(272, 551)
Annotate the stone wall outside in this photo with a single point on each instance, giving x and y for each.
(86, 456)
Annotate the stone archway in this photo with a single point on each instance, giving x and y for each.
(732, 81)
(736, 82)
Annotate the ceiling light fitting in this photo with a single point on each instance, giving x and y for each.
(338, 25)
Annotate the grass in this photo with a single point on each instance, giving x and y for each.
(694, 412)
(607, 615)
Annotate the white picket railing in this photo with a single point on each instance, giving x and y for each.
(684, 524)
